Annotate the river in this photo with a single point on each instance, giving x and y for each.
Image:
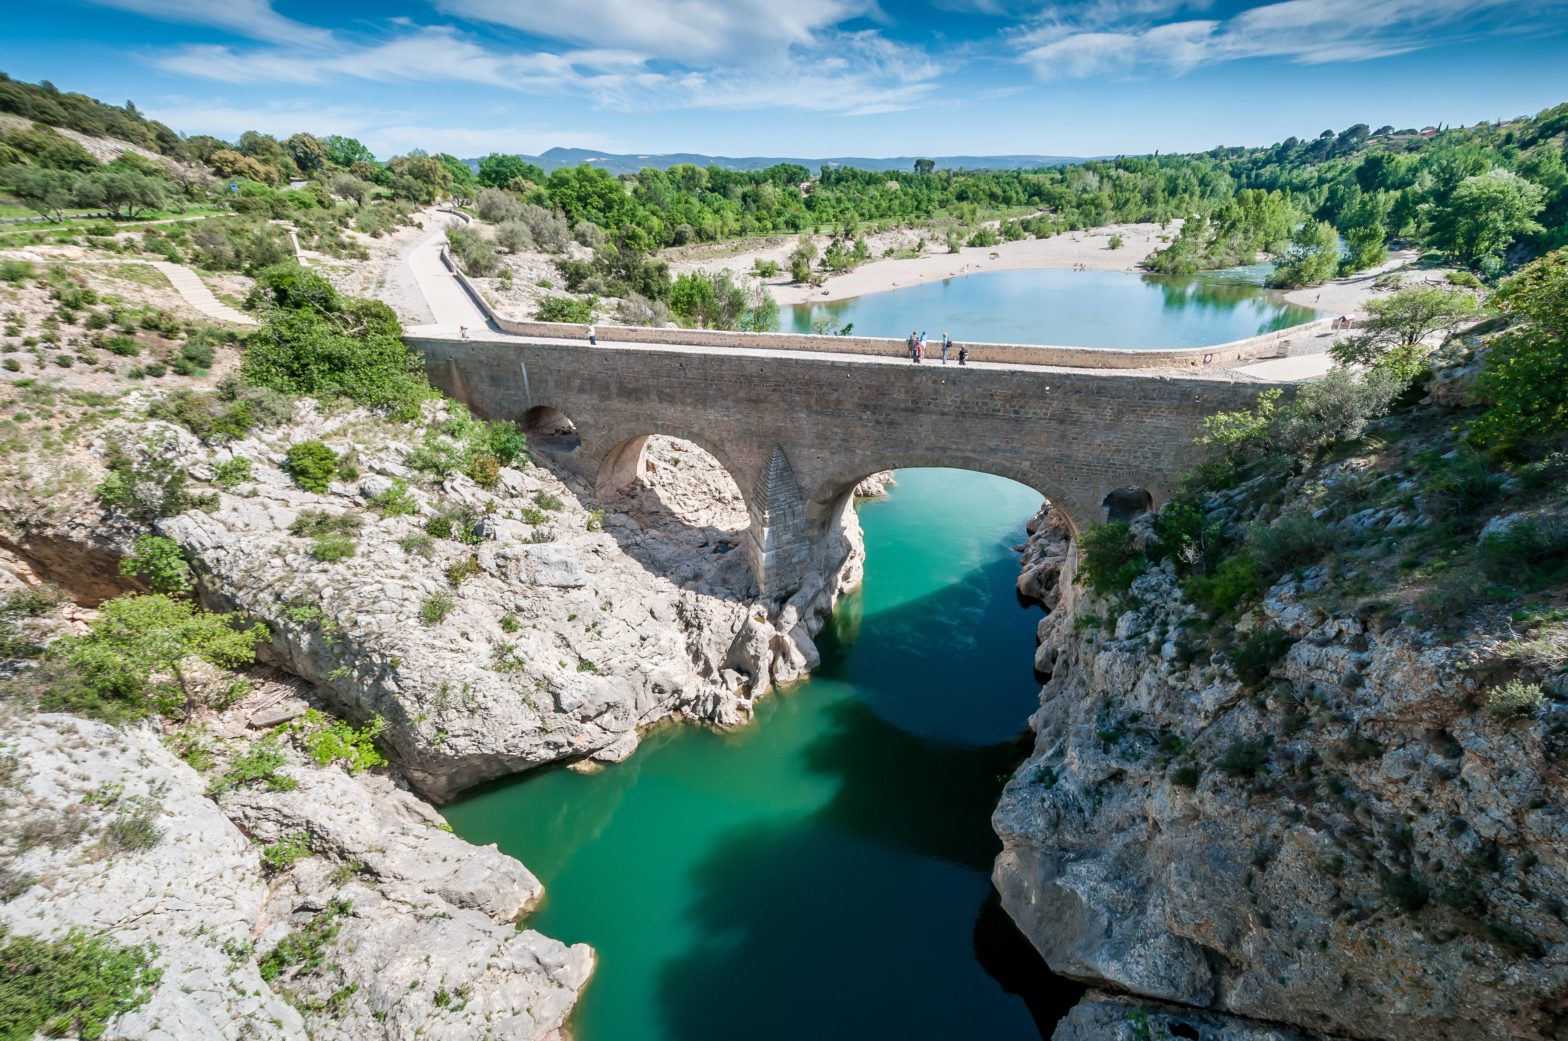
(825, 871)
(1068, 309)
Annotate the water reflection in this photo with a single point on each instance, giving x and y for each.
(1069, 308)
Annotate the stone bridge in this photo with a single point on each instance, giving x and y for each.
(797, 431)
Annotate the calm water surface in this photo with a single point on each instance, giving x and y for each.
(825, 872)
(1070, 309)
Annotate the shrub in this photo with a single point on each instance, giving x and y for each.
(258, 765)
(1107, 561)
(484, 469)
(1235, 580)
(462, 571)
(312, 465)
(1256, 658)
(144, 486)
(396, 501)
(565, 309)
(1294, 539)
(436, 608)
(459, 522)
(1530, 553)
(1515, 699)
(315, 342)
(73, 985)
(160, 563)
(337, 741)
(1115, 242)
(134, 829)
(283, 854)
(305, 949)
(1187, 776)
(1525, 377)
(476, 253)
(1244, 758)
(548, 501)
(418, 544)
(15, 272)
(232, 472)
(332, 548)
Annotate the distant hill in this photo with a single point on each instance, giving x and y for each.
(556, 158)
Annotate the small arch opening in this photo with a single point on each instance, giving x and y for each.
(551, 429)
(1127, 502)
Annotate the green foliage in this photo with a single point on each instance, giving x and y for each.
(566, 309)
(134, 658)
(1244, 759)
(1525, 378)
(315, 342)
(210, 417)
(1293, 540)
(462, 571)
(1395, 326)
(160, 563)
(73, 985)
(1530, 553)
(436, 608)
(312, 465)
(1108, 561)
(231, 473)
(15, 272)
(145, 485)
(329, 741)
(1485, 214)
(1515, 699)
(714, 300)
(396, 501)
(279, 856)
(1256, 658)
(477, 253)
(458, 522)
(1234, 581)
(303, 951)
(1313, 257)
(258, 764)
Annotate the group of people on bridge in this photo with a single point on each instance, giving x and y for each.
(916, 345)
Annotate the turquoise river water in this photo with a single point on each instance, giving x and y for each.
(1069, 309)
(824, 872)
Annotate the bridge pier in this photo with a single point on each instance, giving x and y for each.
(778, 544)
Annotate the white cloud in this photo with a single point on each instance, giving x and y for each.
(251, 18)
(852, 73)
(678, 30)
(1121, 37)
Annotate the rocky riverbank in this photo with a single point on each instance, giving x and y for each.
(1336, 812)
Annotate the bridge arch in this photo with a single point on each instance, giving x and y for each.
(553, 429)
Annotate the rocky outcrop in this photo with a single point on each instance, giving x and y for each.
(415, 928)
(1350, 845)
(554, 627)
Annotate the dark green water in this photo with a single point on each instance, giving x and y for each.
(1069, 309)
(825, 872)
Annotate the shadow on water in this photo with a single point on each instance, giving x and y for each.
(901, 854)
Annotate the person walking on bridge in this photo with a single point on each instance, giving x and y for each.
(963, 355)
(593, 337)
(947, 344)
(912, 345)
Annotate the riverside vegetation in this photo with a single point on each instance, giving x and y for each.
(1334, 662)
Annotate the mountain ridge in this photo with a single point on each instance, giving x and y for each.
(628, 162)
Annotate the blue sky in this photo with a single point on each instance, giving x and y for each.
(806, 78)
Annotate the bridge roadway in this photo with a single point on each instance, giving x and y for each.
(799, 430)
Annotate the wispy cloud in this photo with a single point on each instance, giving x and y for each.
(852, 73)
(685, 31)
(253, 19)
(1125, 37)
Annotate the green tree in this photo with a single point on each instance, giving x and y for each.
(136, 656)
(308, 153)
(159, 562)
(123, 193)
(1525, 378)
(1365, 226)
(1396, 327)
(800, 261)
(1313, 257)
(346, 151)
(46, 192)
(498, 171)
(924, 166)
(1485, 214)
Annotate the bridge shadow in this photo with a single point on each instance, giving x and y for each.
(682, 518)
(874, 914)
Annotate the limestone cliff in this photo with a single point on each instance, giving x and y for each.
(1338, 808)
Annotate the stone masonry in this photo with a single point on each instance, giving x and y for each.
(798, 431)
